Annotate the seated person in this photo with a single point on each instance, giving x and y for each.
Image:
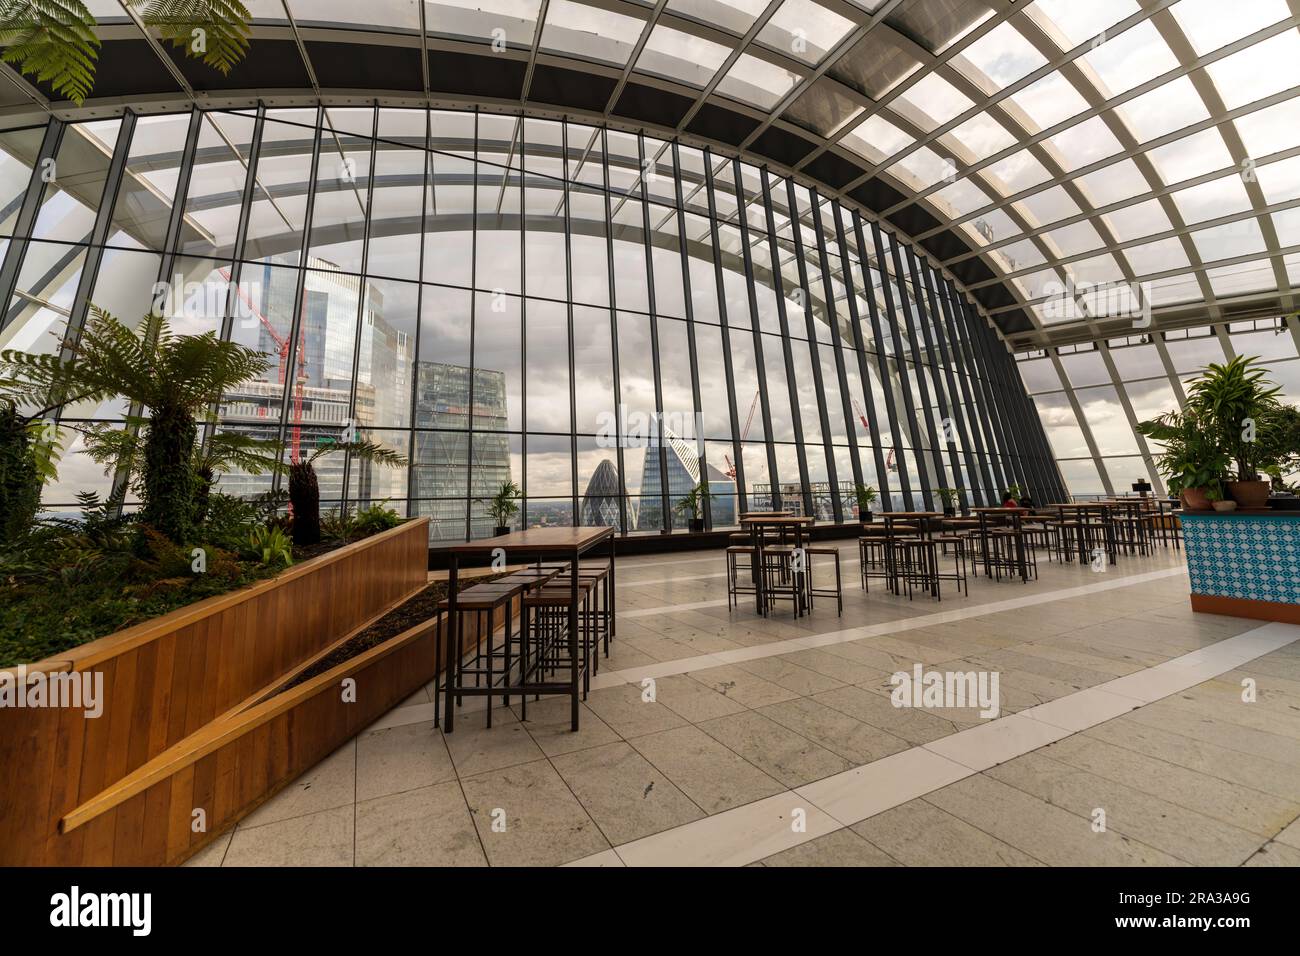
(1008, 501)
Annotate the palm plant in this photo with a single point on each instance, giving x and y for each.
(1191, 458)
(502, 506)
(55, 41)
(177, 379)
(692, 504)
(866, 496)
(304, 486)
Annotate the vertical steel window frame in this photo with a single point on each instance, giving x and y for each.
(882, 364)
(938, 477)
(1011, 447)
(949, 400)
(613, 323)
(860, 350)
(426, 186)
(568, 296)
(1098, 462)
(665, 516)
(963, 372)
(33, 199)
(690, 330)
(361, 300)
(760, 366)
(814, 355)
(837, 349)
(1000, 458)
(787, 352)
(982, 394)
(742, 497)
(900, 363)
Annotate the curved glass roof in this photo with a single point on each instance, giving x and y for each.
(1153, 145)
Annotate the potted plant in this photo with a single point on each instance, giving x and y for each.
(949, 497)
(1192, 461)
(502, 506)
(1238, 403)
(693, 505)
(866, 495)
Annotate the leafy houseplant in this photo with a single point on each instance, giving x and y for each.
(949, 496)
(866, 495)
(270, 546)
(1238, 404)
(1192, 462)
(304, 486)
(502, 506)
(1014, 492)
(693, 505)
(177, 378)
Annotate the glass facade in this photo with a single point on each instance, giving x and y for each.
(605, 318)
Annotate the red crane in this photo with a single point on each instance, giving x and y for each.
(282, 343)
(731, 467)
(858, 408)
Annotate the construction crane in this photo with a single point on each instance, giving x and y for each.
(282, 345)
(731, 467)
(858, 408)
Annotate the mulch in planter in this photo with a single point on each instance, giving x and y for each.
(416, 610)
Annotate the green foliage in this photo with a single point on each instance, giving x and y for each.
(270, 547)
(866, 495)
(1236, 403)
(177, 378)
(1192, 456)
(693, 503)
(52, 40)
(374, 519)
(1014, 491)
(304, 487)
(20, 486)
(949, 496)
(223, 25)
(502, 506)
(55, 41)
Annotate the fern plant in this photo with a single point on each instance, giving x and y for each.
(55, 42)
(304, 487)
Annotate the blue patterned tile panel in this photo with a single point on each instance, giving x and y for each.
(1254, 557)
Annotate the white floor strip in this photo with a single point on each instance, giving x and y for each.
(776, 648)
(757, 830)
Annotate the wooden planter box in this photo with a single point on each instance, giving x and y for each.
(173, 682)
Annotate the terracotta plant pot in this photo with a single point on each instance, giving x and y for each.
(1248, 494)
(1225, 506)
(1194, 499)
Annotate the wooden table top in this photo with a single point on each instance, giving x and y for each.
(777, 520)
(999, 508)
(538, 540)
(890, 515)
(764, 514)
(1080, 505)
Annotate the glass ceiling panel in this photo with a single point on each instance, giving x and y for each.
(757, 82)
(1166, 108)
(876, 139)
(1228, 241)
(680, 56)
(1050, 205)
(1019, 171)
(1114, 183)
(1050, 100)
(1131, 58)
(1207, 28)
(1080, 22)
(734, 15)
(930, 102)
(591, 32)
(877, 64)
(1194, 155)
(394, 14)
(1258, 71)
(1212, 200)
(982, 136)
(1002, 56)
(476, 20)
(1159, 256)
(1280, 181)
(1271, 129)
(1135, 222)
(1075, 239)
(1085, 143)
(805, 30)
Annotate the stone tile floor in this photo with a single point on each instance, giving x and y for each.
(745, 710)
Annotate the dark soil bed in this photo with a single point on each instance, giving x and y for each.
(402, 618)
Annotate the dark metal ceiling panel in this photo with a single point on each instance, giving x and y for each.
(125, 68)
(277, 66)
(652, 105)
(822, 108)
(473, 75)
(834, 170)
(553, 84)
(723, 125)
(362, 66)
(783, 146)
(875, 64)
(876, 194)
